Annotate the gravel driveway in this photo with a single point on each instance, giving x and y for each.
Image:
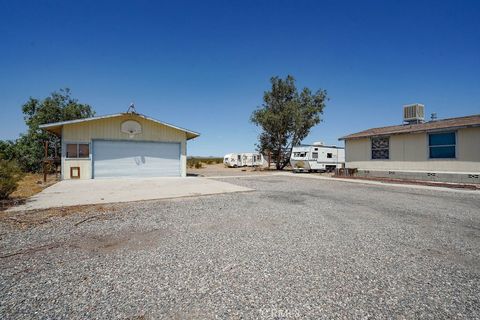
(294, 248)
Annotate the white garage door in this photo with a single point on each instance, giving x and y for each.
(135, 159)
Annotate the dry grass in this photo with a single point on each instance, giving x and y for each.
(31, 184)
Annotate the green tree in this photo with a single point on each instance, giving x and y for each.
(286, 118)
(59, 106)
(7, 150)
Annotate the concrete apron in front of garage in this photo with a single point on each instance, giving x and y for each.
(98, 191)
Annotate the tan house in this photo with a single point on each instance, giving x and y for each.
(121, 145)
(439, 150)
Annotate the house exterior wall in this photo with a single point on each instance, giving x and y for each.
(109, 129)
(409, 152)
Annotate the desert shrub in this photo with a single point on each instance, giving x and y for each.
(191, 162)
(194, 163)
(214, 160)
(10, 175)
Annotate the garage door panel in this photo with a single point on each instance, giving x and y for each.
(135, 159)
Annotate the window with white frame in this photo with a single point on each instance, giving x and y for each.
(300, 154)
(442, 145)
(381, 148)
(78, 151)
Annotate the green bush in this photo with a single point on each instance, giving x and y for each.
(10, 175)
(7, 149)
(198, 165)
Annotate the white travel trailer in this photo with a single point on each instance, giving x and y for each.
(246, 159)
(232, 160)
(317, 157)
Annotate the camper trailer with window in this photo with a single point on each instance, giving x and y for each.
(232, 160)
(246, 159)
(317, 157)
(250, 159)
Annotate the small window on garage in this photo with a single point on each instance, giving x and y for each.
(315, 155)
(442, 145)
(329, 155)
(72, 150)
(83, 150)
(78, 150)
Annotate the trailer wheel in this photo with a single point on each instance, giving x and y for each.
(330, 168)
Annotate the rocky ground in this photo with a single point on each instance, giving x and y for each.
(294, 248)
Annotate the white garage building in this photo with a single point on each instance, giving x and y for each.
(121, 145)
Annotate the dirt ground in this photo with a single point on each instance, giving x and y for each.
(219, 170)
(213, 170)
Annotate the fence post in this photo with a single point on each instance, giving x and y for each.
(45, 162)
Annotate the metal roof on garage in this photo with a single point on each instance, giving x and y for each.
(56, 127)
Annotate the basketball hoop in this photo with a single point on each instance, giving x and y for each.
(131, 127)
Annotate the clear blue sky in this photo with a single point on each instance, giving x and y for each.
(204, 65)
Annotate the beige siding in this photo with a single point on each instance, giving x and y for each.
(409, 152)
(85, 166)
(357, 150)
(109, 129)
(469, 148)
(413, 147)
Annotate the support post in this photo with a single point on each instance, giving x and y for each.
(269, 159)
(45, 162)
